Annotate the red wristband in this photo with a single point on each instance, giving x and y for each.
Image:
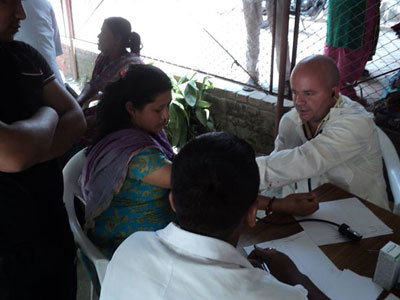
(268, 211)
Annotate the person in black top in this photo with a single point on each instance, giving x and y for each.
(39, 121)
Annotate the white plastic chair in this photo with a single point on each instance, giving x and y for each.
(72, 188)
(392, 164)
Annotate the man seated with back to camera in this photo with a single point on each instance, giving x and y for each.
(326, 137)
(215, 182)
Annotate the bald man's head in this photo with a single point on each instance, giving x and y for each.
(323, 65)
(315, 88)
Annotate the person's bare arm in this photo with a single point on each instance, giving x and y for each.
(161, 177)
(25, 142)
(71, 125)
(284, 269)
(300, 204)
(87, 93)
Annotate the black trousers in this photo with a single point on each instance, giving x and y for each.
(37, 253)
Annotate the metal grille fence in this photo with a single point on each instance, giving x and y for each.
(385, 61)
(210, 36)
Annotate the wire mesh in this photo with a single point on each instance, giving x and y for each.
(369, 82)
(211, 36)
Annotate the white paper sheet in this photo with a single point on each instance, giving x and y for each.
(311, 261)
(350, 211)
(356, 287)
(308, 258)
(391, 297)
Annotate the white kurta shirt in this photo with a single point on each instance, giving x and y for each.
(346, 153)
(176, 264)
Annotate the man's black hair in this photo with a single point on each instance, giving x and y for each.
(214, 181)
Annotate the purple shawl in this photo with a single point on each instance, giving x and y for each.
(106, 166)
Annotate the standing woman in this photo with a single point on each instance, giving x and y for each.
(114, 38)
(352, 36)
(126, 177)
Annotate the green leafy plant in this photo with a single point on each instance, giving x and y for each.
(189, 113)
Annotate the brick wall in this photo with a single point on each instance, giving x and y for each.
(248, 115)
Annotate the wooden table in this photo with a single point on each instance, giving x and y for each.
(360, 257)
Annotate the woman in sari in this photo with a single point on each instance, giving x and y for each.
(126, 176)
(114, 38)
(352, 35)
(114, 59)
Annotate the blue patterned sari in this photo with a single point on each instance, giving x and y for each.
(137, 207)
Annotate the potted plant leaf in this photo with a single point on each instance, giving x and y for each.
(189, 113)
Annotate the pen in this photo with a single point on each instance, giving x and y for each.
(265, 267)
(263, 263)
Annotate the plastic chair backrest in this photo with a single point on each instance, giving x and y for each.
(72, 188)
(392, 163)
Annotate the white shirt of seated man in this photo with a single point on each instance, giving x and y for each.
(326, 138)
(173, 263)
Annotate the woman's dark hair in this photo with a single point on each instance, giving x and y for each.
(140, 85)
(121, 27)
(135, 43)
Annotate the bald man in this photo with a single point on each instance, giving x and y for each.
(326, 137)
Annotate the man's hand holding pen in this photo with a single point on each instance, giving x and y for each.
(277, 263)
(284, 269)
